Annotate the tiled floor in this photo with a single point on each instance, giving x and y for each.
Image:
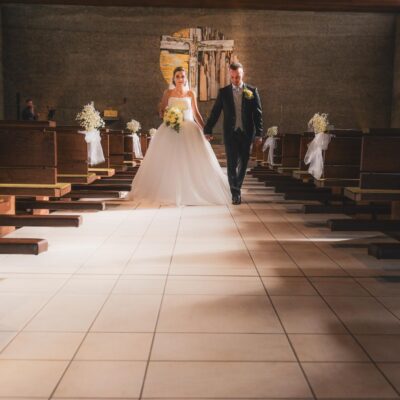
(257, 301)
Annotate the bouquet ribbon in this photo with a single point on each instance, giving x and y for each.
(94, 149)
(271, 144)
(314, 154)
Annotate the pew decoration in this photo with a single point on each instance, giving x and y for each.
(270, 143)
(314, 158)
(152, 132)
(134, 126)
(89, 119)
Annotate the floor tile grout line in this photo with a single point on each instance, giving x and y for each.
(348, 330)
(60, 288)
(377, 298)
(355, 279)
(195, 361)
(104, 303)
(273, 306)
(311, 241)
(160, 308)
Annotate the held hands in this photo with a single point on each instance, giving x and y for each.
(209, 137)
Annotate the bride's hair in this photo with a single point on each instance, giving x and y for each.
(177, 69)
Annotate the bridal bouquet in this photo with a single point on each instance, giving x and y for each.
(173, 117)
(272, 131)
(319, 123)
(133, 126)
(90, 118)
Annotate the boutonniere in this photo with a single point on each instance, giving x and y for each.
(248, 94)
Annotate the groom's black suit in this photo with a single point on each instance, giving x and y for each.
(237, 142)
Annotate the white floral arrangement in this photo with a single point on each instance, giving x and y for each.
(133, 126)
(319, 123)
(90, 118)
(152, 132)
(272, 131)
(173, 117)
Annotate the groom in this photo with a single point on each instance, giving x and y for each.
(242, 123)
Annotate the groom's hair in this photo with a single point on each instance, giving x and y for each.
(235, 66)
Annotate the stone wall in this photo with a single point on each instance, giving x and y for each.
(302, 62)
(396, 79)
(1, 68)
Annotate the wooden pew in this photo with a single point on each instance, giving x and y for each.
(71, 167)
(28, 167)
(342, 160)
(72, 151)
(277, 156)
(125, 169)
(379, 181)
(27, 124)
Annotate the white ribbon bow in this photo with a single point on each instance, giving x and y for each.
(137, 148)
(94, 149)
(314, 154)
(271, 144)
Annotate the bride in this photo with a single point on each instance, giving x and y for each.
(180, 168)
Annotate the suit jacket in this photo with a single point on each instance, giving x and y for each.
(28, 115)
(251, 113)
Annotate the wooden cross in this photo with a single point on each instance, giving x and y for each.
(207, 59)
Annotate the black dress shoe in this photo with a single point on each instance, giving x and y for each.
(236, 199)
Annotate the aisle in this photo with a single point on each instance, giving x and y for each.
(256, 301)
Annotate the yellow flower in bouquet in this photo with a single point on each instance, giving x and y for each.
(173, 117)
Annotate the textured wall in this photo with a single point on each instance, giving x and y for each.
(396, 79)
(302, 62)
(1, 68)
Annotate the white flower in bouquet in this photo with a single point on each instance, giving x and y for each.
(152, 132)
(133, 126)
(90, 118)
(272, 131)
(173, 117)
(319, 123)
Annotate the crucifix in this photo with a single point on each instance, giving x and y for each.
(205, 54)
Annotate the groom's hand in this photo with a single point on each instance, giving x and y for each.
(209, 137)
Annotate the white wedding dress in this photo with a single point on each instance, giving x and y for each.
(180, 168)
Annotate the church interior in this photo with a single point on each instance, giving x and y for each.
(290, 292)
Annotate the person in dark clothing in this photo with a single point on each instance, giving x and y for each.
(28, 113)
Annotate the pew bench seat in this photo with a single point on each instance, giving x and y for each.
(41, 220)
(358, 194)
(335, 182)
(302, 175)
(27, 189)
(286, 170)
(23, 246)
(103, 172)
(77, 178)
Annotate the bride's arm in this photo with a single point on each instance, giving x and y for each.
(196, 113)
(163, 104)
